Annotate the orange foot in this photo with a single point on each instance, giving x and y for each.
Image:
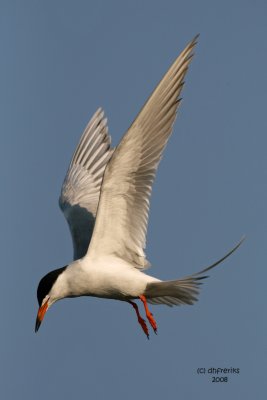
(149, 314)
(141, 321)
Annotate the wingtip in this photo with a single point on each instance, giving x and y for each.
(194, 42)
(190, 47)
(99, 110)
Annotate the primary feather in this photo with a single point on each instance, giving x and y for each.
(122, 215)
(81, 187)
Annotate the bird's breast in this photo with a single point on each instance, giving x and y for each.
(107, 278)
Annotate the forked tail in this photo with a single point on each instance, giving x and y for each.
(181, 291)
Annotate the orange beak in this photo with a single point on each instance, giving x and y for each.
(40, 316)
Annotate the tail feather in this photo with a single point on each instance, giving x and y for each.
(178, 292)
(181, 291)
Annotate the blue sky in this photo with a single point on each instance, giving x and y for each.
(60, 61)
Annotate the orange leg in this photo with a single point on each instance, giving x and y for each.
(141, 321)
(149, 314)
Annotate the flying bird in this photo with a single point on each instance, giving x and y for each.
(105, 198)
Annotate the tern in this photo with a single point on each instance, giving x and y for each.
(105, 198)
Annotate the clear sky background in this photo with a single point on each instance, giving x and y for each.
(60, 61)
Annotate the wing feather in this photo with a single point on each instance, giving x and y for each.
(81, 187)
(122, 215)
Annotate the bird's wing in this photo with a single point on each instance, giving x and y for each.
(81, 187)
(122, 215)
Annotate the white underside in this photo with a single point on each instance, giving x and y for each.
(108, 277)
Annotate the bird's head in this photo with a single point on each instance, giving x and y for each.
(48, 293)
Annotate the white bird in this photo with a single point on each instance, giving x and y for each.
(105, 199)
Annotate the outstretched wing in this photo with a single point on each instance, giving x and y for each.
(122, 216)
(81, 187)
